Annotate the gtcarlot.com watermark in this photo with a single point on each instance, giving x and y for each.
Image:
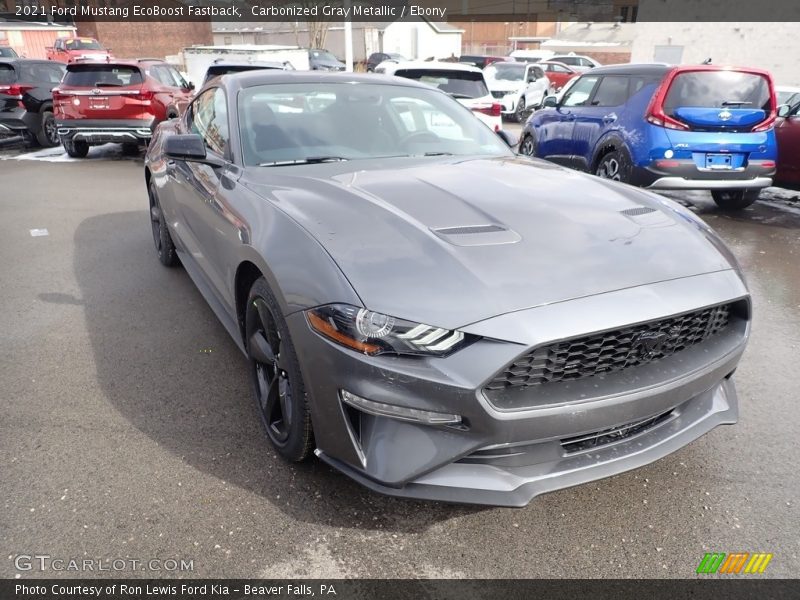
(47, 563)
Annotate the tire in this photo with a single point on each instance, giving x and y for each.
(527, 146)
(519, 112)
(77, 149)
(734, 199)
(130, 149)
(615, 165)
(47, 135)
(278, 388)
(165, 249)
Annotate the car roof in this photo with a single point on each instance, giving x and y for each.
(555, 62)
(430, 65)
(256, 64)
(13, 60)
(247, 79)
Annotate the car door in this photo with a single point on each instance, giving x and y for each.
(208, 227)
(597, 117)
(555, 140)
(537, 85)
(173, 91)
(787, 132)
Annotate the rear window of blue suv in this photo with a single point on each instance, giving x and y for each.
(664, 127)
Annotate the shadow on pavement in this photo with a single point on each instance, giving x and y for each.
(166, 364)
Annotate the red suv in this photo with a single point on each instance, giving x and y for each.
(118, 101)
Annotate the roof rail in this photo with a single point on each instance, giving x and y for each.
(149, 60)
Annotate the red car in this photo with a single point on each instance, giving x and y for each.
(787, 134)
(558, 73)
(68, 50)
(118, 101)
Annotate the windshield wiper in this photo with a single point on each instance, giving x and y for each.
(736, 103)
(309, 160)
(461, 96)
(438, 154)
(106, 84)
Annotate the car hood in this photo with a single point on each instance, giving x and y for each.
(449, 242)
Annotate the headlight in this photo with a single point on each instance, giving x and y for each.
(374, 333)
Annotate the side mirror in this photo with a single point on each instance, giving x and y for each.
(190, 85)
(784, 110)
(532, 77)
(550, 102)
(509, 138)
(189, 147)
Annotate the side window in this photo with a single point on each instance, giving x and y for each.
(612, 91)
(559, 69)
(579, 93)
(209, 119)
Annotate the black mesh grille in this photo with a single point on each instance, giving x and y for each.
(612, 350)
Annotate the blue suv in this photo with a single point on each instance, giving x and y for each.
(664, 127)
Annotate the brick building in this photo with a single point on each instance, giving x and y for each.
(128, 38)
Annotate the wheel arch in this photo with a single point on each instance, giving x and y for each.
(606, 144)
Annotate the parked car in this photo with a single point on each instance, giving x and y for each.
(8, 52)
(377, 58)
(463, 82)
(417, 329)
(322, 60)
(26, 102)
(558, 73)
(787, 133)
(665, 127)
(69, 50)
(225, 67)
(576, 61)
(787, 95)
(530, 55)
(116, 101)
(518, 86)
(480, 61)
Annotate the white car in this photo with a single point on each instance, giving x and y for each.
(463, 82)
(519, 86)
(576, 61)
(531, 55)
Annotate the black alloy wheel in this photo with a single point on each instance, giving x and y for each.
(278, 386)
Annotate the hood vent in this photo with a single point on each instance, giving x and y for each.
(637, 211)
(477, 235)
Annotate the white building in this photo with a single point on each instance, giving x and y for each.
(413, 39)
(772, 46)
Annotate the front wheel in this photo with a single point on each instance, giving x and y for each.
(614, 165)
(519, 113)
(277, 381)
(47, 136)
(734, 199)
(527, 146)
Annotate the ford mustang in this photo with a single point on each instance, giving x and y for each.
(430, 313)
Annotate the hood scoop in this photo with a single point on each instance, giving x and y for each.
(477, 235)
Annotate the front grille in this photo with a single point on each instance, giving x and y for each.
(611, 350)
(497, 94)
(612, 434)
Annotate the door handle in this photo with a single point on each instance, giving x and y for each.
(609, 118)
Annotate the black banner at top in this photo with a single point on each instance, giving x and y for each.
(73, 11)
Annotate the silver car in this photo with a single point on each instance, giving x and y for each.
(428, 312)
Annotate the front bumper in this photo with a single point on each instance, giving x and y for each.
(103, 131)
(505, 453)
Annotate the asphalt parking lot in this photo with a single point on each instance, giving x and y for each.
(128, 429)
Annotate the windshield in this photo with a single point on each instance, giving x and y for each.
(505, 71)
(323, 55)
(788, 97)
(7, 52)
(284, 124)
(82, 44)
(459, 84)
(717, 89)
(102, 76)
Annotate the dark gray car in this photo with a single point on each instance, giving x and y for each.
(429, 313)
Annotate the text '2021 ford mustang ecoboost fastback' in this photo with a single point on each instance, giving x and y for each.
(428, 312)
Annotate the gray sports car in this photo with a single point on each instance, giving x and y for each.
(430, 313)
